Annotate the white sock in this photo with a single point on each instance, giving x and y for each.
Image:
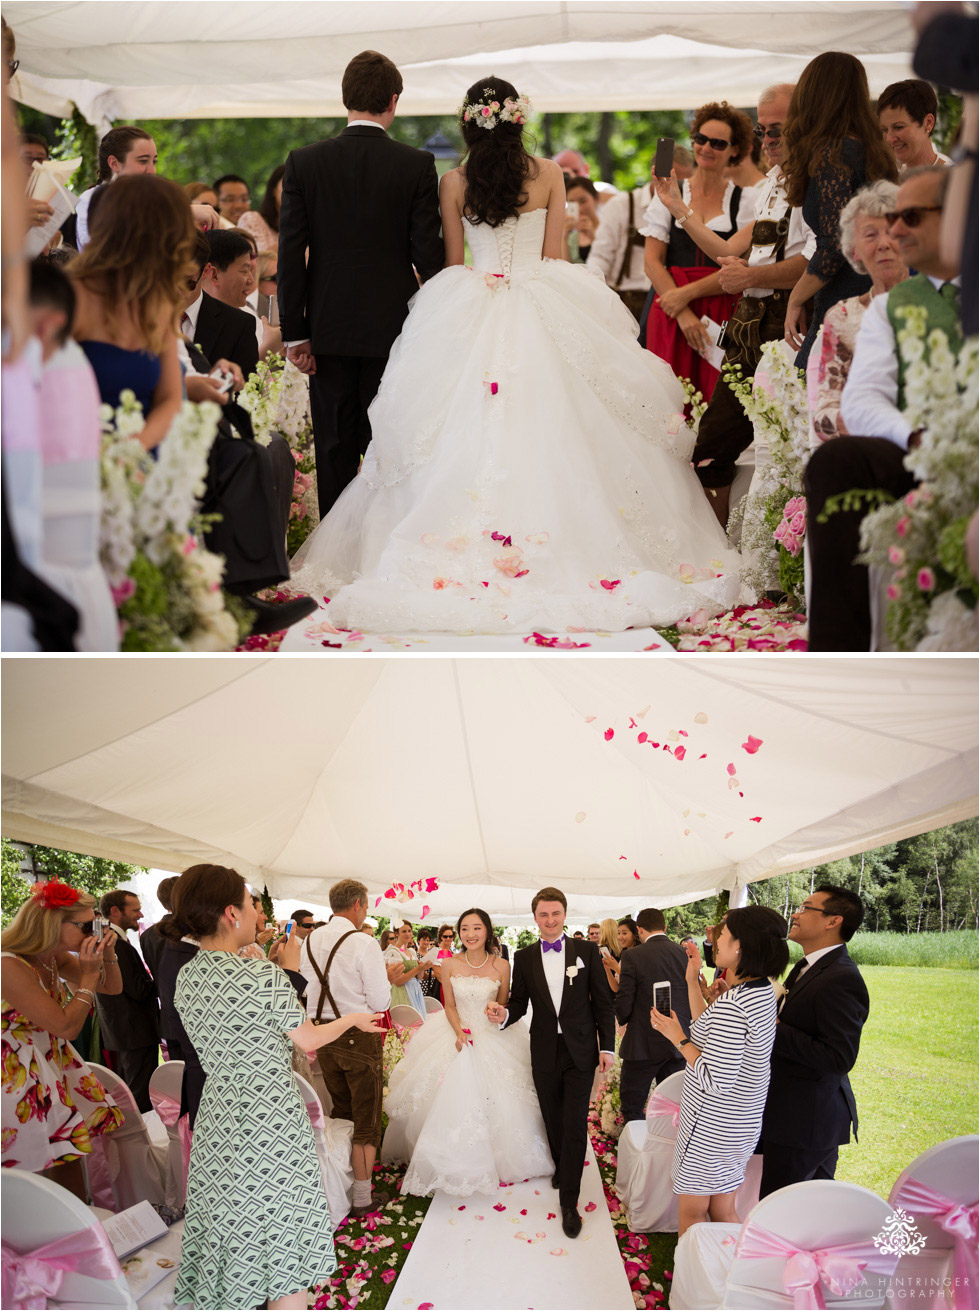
(362, 1192)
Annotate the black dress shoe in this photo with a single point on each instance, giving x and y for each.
(571, 1222)
(554, 1180)
(273, 618)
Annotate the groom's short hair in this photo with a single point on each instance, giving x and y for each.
(345, 893)
(370, 80)
(651, 921)
(549, 894)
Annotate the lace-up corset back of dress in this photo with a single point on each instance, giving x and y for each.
(512, 248)
(472, 995)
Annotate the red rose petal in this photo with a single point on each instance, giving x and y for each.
(755, 819)
(635, 875)
(609, 734)
(680, 752)
(752, 745)
(589, 1207)
(500, 1207)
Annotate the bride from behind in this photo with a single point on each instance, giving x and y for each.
(529, 468)
(461, 1105)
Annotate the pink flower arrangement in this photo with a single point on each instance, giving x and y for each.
(926, 580)
(792, 527)
(903, 526)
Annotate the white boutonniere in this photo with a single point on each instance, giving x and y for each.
(572, 971)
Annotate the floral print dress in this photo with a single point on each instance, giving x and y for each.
(53, 1104)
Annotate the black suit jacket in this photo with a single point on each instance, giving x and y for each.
(131, 1018)
(810, 1103)
(225, 333)
(367, 208)
(152, 943)
(586, 1011)
(640, 968)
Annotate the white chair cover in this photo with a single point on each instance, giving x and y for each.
(137, 1168)
(950, 1169)
(406, 1016)
(167, 1081)
(37, 1211)
(333, 1140)
(432, 1005)
(709, 1271)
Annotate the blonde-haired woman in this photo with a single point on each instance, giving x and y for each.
(52, 1104)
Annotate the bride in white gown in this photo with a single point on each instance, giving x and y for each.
(461, 1105)
(529, 468)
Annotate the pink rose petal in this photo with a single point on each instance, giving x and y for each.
(730, 768)
(609, 733)
(589, 1207)
(500, 1207)
(755, 819)
(752, 745)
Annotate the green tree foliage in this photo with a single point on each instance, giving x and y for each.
(24, 863)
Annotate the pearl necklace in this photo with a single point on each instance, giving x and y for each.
(466, 958)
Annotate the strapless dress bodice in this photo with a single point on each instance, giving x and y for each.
(511, 249)
(472, 995)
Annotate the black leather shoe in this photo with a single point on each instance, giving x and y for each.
(571, 1222)
(554, 1180)
(273, 618)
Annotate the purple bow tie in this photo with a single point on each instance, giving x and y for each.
(553, 946)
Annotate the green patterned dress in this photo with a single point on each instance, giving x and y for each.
(257, 1223)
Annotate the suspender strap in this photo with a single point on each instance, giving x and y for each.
(630, 236)
(322, 976)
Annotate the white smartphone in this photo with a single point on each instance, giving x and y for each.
(603, 951)
(661, 997)
(571, 208)
(222, 381)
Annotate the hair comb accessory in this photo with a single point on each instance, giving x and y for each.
(53, 895)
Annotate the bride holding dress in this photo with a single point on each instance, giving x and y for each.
(461, 1104)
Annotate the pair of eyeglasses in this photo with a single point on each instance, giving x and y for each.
(912, 216)
(773, 133)
(85, 927)
(12, 66)
(716, 143)
(818, 909)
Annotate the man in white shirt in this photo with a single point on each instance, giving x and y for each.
(617, 248)
(872, 408)
(345, 972)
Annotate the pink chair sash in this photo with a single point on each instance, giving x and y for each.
(661, 1105)
(840, 1269)
(315, 1112)
(959, 1220)
(168, 1109)
(30, 1279)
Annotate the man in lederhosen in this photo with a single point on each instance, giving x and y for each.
(763, 261)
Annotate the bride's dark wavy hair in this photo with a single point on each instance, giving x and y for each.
(475, 910)
(496, 164)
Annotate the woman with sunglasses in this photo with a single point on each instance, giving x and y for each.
(834, 148)
(53, 965)
(683, 276)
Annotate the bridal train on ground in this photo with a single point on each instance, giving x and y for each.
(529, 467)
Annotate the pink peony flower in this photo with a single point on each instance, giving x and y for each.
(926, 580)
(903, 526)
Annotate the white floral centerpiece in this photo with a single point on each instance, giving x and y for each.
(165, 583)
(932, 593)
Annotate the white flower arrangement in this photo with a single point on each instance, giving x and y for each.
(490, 112)
(608, 1100)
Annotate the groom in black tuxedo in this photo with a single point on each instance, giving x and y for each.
(366, 209)
(572, 1031)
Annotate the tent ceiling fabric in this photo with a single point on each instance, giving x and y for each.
(156, 59)
(495, 776)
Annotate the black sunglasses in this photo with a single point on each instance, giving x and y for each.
(912, 216)
(716, 143)
(85, 927)
(773, 133)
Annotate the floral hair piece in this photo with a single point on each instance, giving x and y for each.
(490, 112)
(54, 895)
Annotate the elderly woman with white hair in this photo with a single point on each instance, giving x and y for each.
(869, 249)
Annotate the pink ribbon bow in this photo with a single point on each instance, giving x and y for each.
(959, 1220)
(661, 1105)
(315, 1112)
(168, 1109)
(840, 1269)
(31, 1279)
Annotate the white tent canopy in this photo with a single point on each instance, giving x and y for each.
(495, 776)
(132, 59)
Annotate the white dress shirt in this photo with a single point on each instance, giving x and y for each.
(554, 973)
(609, 246)
(771, 204)
(812, 957)
(869, 401)
(656, 219)
(358, 978)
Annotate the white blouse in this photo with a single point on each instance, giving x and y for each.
(656, 218)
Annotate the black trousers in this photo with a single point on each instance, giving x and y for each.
(135, 1067)
(340, 392)
(636, 1079)
(782, 1166)
(840, 607)
(563, 1094)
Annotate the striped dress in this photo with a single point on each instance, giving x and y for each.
(725, 1090)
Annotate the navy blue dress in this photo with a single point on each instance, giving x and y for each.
(117, 369)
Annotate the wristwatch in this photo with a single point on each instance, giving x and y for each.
(683, 1042)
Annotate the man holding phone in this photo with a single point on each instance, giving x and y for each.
(648, 1057)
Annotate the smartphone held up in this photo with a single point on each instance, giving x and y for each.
(661, 997)
(664, 159)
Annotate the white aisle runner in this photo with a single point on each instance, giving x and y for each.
(471, 1256)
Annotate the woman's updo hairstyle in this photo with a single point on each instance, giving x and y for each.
(496, 165)
(485, 921)
(761, 936)
(199, 899)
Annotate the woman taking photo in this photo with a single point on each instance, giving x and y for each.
(682, 275)
(626, 937)
(53, 1105)
(833, 148)
(128, 283)
(727, 1058)
(257, 1230)
(404, 966)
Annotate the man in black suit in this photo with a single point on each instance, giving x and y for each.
(367, 209)
(220, 327)
(647, 1055)
(129, 1021)
(572, 1031)
(810, 1107)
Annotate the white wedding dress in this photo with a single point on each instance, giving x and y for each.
(529, 465)
(465, 1121)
